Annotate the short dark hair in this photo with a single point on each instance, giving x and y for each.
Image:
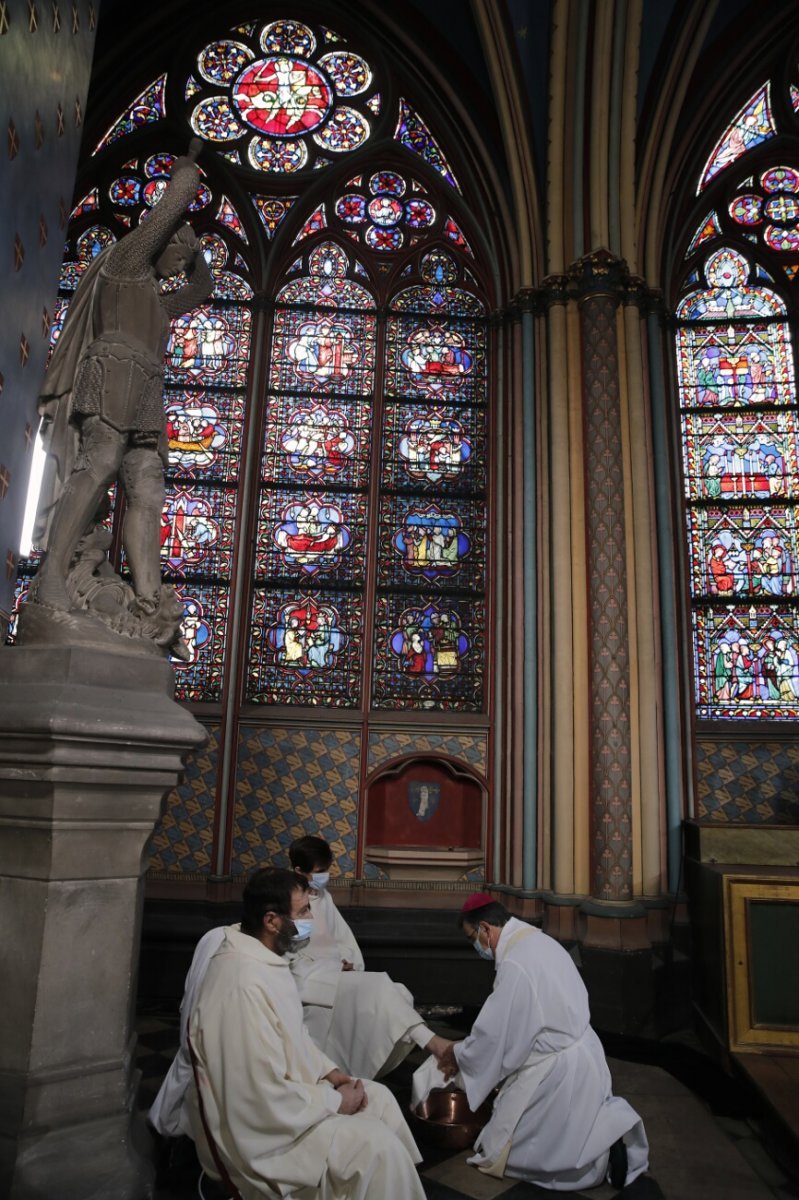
(309, 852)
(268, 890)
(493, 914)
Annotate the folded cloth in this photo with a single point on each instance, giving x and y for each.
(429, 1076)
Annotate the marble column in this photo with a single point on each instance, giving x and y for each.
(90, 741)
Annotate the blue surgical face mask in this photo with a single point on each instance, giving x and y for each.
(304, 928)
(320, 880)
(483, 951)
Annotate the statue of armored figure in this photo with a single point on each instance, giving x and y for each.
(103, 420)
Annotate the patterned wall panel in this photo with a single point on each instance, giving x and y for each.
(471, 747)
(751, 783)
(45, 59)
(182, 841)
(292, 782)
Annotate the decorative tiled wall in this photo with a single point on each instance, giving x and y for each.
(754, 783)
(292, 782)
(182, 841)
(472, 748)
(45, 58)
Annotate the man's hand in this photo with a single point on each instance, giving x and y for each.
(337, 1077)
(347, 966)
(444, 1054)
(353, 1098)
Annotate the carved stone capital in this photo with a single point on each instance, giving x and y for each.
(599, 273)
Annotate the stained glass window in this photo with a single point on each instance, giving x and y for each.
(736, 371)
(737, 381)
(327, 449)
(429, 621)
(147, 108)
(312, 526)
(282, 96)
(751, 126)
(412, 133)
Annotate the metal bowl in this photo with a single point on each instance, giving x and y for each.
(444, 1119)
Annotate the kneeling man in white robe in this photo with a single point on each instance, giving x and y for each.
(555, 1121)
(273, 1113)
(362, 1019)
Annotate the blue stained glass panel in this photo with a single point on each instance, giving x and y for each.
(434, 448)
(438, 360)
(429, 653)
(440, 300)
(311, 441)
(209, 345)
(746, 663)
(323, 352)
(197, 531)
(204, 433)
(305, 648)
(311, 536)
(751, 126)
(204, 632)
(741, 455)
(743, 551)
(145, 109)
(432, 543)
(412, 132)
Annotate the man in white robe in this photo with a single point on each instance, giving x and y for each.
(169, 1114)
(273, 1113)
(555, 1121)
(362, 1019)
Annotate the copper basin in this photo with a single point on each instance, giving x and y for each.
(444, 1119)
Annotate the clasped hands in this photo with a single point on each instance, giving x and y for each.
(443, 1052)
(352, 1092)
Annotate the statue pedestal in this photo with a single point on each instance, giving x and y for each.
(90, 741)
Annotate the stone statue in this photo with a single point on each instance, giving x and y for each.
(103, 420)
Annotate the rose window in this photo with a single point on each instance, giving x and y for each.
(142, 187)
(279, 98)
(772, 207)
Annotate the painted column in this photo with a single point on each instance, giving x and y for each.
(597, 281)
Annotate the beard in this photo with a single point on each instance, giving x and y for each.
(283, 939)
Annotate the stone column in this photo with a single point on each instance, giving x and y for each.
(90, 741)
(598, 279)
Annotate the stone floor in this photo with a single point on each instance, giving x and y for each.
(707, 1140)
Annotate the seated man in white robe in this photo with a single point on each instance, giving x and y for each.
(555, 1121)
(362, 1019)
(271, 1114)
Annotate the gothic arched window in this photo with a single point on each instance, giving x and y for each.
(736, 367)
(327, 409)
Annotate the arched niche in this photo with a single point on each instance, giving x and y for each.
(426, 820)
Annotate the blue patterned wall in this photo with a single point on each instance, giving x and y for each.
(755, 783)
(472, 748)
(292, 782)
(182, 841)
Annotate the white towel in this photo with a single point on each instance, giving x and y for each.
(427, 1077)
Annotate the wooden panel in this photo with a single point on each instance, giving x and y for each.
(759, 914)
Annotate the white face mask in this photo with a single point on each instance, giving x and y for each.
(320, 880)
(483, 951)
(304, 927)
